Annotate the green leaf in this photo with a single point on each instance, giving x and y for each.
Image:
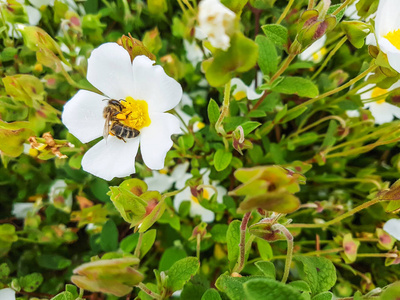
(235, 5)
(264, 248)
(297, 86)
(356, 32)
(72, 289)
(301, 286)
(109, 236)
(241, 56)
(392, 292)
(213, 111)
(218, 233)
(330, 139)
(64, 296)
(4, 271)
(129, 242)
(53, 261)
(267, 56)
(332, 8)
(171, 256)
(318, 272)
(324, 296)
(31, 282)
(211, 294)
(222, 159)
(278, 34)
(263, 289)
(13, 136)
(233, 239)
(232, 286)
(266, 267)
(181, 272)
(281, 202)
(249, 126)
(148, 240)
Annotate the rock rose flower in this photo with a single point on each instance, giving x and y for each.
(387, 30)
(393, 228)
(217, 22)
(315, 52)
(7, 294)
(242, 91)
(145, 92)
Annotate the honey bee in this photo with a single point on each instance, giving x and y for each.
(114, 125)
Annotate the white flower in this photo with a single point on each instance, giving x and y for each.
(145, 91)
(393, 228)
(7, 294)
(60, 196)
(186, 100)
(196, 209)
(315, 52)
(21, 210)
(193, 52)
(382, 111)
(217, 22)
(387, 30)
(242, 90)
(161, 182)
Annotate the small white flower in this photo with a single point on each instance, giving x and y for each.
(21, 210)
(60, 196)
(242, 90)
(196, 209)
(193, 52)
(145, 92)
(161, 182)
(315, 52)
(7, 294)
(217, 22)
(382, 111)
(393, 228)
(387, 30)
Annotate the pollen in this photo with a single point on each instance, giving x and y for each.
(377, 92)
(239, 95)
(394, 38)
(206, 195)
(135, 113)
(319, 54)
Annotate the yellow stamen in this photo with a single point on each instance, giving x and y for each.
(135, 113)
(377, 92)
(163, 171)
(206, 195)
(239, 95)
(394, 38)
(319, 54)
(200, 125)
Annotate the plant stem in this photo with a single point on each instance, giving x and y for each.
(339, 119)
(343, 6)
(225, 109)
(198, 246)
(334, 91)
(330, 55)
(139, 244)
(289, 254)
(242, 244)
(282, 69)
(285, 12)
(337, 219)
(310, 4)
(385, 255)
(148, 291)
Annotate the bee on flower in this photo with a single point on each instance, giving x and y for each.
(144, 92)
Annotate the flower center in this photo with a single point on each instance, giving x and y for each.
(135, 113)
(239, 95)
(319, 54)
(206, 195)
(394, 38)
(377, 92)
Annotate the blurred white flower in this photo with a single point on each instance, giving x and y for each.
(393, 228)
(193, 52)
(242, 90)
(382, 111)
(60, 196)
(161, 182)
(316, 52)
(217, 22)
(21, 210)
(196, 209)
(387, 30)
(351, 11)
(7, 294)
(144, 92)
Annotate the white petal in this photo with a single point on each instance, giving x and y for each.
(182, 196)
(366, 95)
(394, 60)
(353, 113)
(180, 170)
(111, 158)
(315, 47)
(34, 15)
(221, 193)
(151, 84)
(7, 294)
(393, 228)
(110, 71)
(382, 113)
(155, 140)
(206, 215)
(387, 17)
(83, 115)
(21, 210)
(159, 182)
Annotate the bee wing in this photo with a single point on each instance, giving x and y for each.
(106, 130)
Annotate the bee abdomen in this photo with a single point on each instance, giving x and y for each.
(122, 131)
